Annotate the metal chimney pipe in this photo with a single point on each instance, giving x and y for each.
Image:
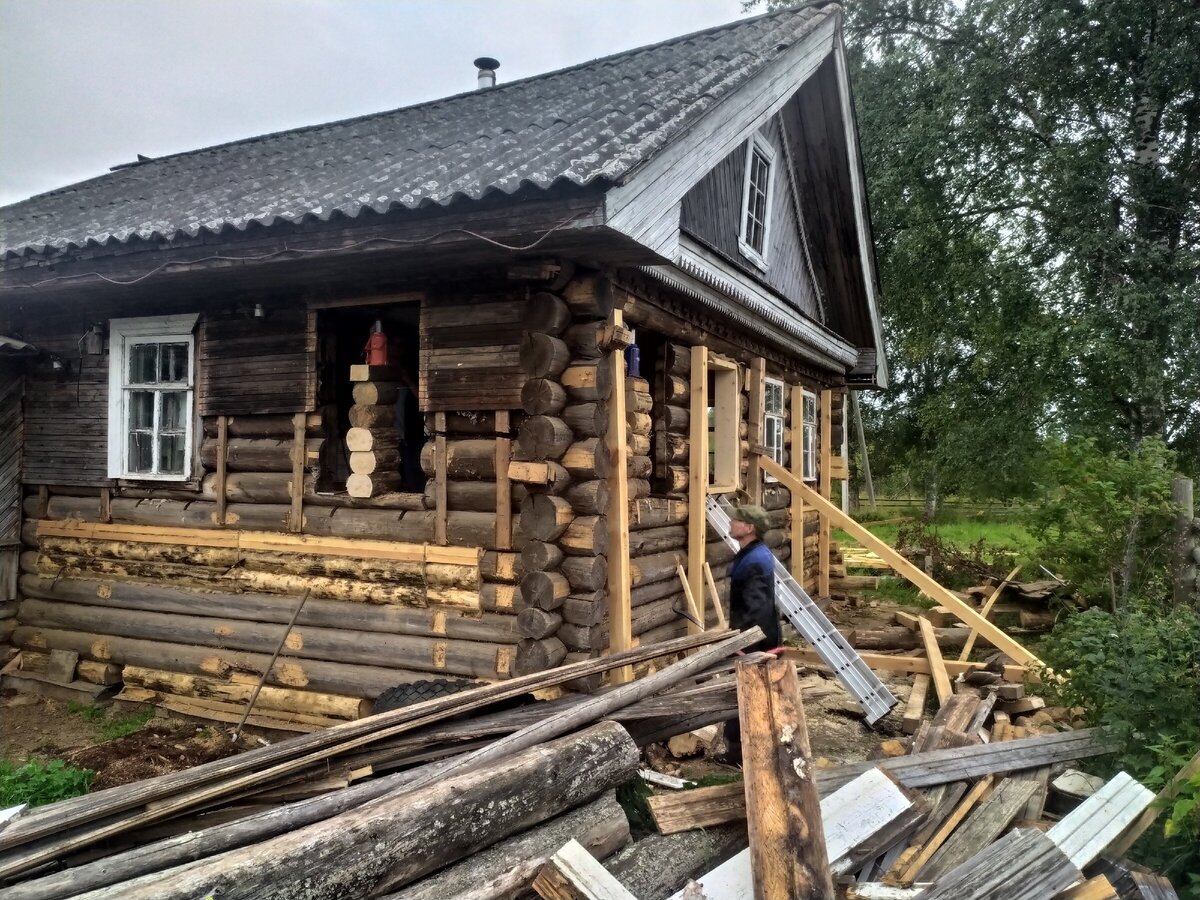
(487, 71)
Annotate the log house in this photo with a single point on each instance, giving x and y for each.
(585, 335)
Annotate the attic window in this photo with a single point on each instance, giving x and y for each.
(756, 201)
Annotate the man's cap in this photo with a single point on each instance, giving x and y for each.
(753, 515)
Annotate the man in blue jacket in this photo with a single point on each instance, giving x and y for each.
(751, 599)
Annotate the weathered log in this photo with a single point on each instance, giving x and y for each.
(252, 487)
(640, 467)
(587, 381)
(360, 485)
(375, 393)
(473, 658)
(373, 417)
(544, 517)
(655, 512)
(677, 359)
(499, 565)
(671, 449)
(589, 498)
(538, 623)
(587, 459)
(657, 567)
(543, 355)
(475, 422)
(588, 340)
(97, 672)
(542, 396)
(543, 590)
(500, 598)
(544, 437)
(459, 815)
(585, 536)
(587, 419)
(676, 479)
(676, 389)
(256, 454)
(537, 656)
(648, 541)
(539, 556)
(469, 458)
(269, 697)
(675, 418)
(507, 870)
(639, 444)
(264, 426)
(368, 462)
(590, 296)
(585, 573)
(585, 609)
(639, 403)
(547, 475)
(473, 496)
(546, 313)
(639, 488)
(319, 675)
(583, 637)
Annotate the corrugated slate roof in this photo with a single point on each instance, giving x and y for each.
(590, 123)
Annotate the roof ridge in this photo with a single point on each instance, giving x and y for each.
(365, 117)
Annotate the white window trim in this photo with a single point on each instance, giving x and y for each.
(809, 449)
(180, 329)
(761, 144)
(781, 416)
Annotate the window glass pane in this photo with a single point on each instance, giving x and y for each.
(141, 455)
(172, 417)
(143, 363)
(173, 362)
(170, 455)
(141, 409)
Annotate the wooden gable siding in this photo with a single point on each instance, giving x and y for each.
(815, 132)
(469, 353)
(246, 365)
(712, 210)
(11, 387)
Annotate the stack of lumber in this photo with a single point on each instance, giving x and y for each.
(373, 438)
(1025, 605)
(358, 810)
(961, 816)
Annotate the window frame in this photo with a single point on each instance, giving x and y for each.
(724, 440)
(123, 334)
(779, 417)
(809, 433)
(757, 143)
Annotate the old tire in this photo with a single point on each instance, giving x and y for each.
(420, 691)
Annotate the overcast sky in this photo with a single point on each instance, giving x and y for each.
(88, 84)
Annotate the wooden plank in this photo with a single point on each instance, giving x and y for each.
(296, 515)
(912, 664)
(987, 608)
(1000, 640)
(787, 845)
(503, 484)
(826, 483)
(758, 374)
(986, 823)
(866, 817)
(689, 599)
(1024, 863)
(222, 453)
(698, 808)
(1152, 886)
(62, 666)
(914, 711)
(1098, 888)
(620, 604)
(937, 666)
(722, 622)
(574, 874)
(1099, 820)
(938, 838)
(698, 471)
(441, 509)
(796, 427)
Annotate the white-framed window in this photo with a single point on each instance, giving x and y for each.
(808, 456)
(151, 386)
(773, 419)
(756, 200)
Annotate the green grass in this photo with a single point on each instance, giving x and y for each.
(37, 783)
(111, 727)
(84, 711)
(963, 534)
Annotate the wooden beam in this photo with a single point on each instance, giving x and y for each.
(698, 472)
(503, 484)
(1000, 640)
(758, 375)
(787, 842)
(914, 711)
(913, 664)
(440, 510)
(574, 874)
(1098, 888)
(987, 608)
(620, 604)
(826, 483)
(222, 453)
(296, 515)
(937, 666)
(106, 504)
(690, 600)
(987, 822)
(796, 561)
(981, 789)
(722, 622)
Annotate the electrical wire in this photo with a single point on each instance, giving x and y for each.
(316, 251)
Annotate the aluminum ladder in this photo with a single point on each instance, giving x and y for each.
(806, 617)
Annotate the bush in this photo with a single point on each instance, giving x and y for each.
(38, 783)
(1138, 673)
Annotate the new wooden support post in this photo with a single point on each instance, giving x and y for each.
(796, 561)
(937, 666)
(106, 504)
(222, 453)
(620, 605)
(440, 512)
(722, 622)
(914, 711)
(698, 473)
(296, 517)
(693, 609)
(788, 857)
(758, 374)
(826, 489)
(503, 484)
(987, 608)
